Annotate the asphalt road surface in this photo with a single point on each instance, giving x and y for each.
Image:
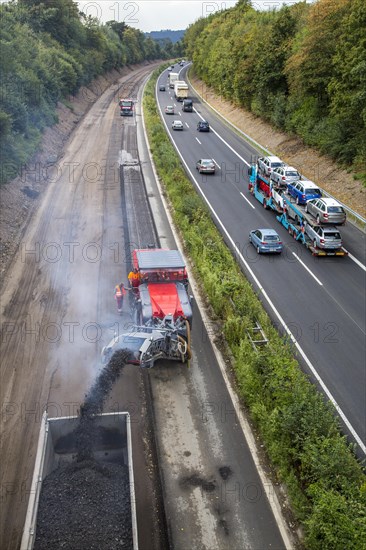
(321, 300)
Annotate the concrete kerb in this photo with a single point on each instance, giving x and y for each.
(354, 218)
(268, 486)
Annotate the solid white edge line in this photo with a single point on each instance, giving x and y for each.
(360, 264)
(307, 269)
(244, 197)
(267, 484)
(273, 308)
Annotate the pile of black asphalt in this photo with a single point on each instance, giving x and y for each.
(85, 504)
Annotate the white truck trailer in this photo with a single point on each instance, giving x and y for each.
(180, 90)
(173, 77)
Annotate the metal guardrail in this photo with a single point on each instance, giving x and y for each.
(360, 220)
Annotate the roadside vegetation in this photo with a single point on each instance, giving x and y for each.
(48, 51)
(301, 67)
(325, 483)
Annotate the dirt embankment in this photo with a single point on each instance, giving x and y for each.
(319, 168)
(20, 197)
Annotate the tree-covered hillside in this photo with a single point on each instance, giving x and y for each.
(48, 49)
(302, 67)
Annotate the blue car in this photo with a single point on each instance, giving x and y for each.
(265, 240)
(303, 191)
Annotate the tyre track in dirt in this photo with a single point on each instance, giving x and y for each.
(55, 294)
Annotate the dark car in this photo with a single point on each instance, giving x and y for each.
(187, 105)
(161, 88)
(203, 126)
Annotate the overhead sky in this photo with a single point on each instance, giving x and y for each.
(151, 15)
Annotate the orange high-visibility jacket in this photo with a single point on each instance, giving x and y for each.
(134, 278)
(120, 291)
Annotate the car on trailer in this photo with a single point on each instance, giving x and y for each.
(267, 164)
(326, 210)
(284, 175)
(303, 191)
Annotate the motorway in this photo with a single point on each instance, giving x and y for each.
(319, 301)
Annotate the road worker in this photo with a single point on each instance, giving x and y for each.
(134, 278)
(119, 294)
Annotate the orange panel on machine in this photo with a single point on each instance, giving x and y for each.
(165, 300)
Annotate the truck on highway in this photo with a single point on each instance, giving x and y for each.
(126, 107)
(56, 452)
(321, 240)
(161, 310)
(173, 77)
(180, 90)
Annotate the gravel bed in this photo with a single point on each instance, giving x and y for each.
(85, 506)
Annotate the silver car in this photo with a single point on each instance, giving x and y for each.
(177, 125)
(267, 164)
(206, 166)
(326, 210)
(328, 238)
(284, 174)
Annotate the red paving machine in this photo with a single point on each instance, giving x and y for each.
(161, 309)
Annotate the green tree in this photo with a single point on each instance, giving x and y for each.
(347, 86)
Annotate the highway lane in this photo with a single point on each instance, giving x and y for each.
(327, 319)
